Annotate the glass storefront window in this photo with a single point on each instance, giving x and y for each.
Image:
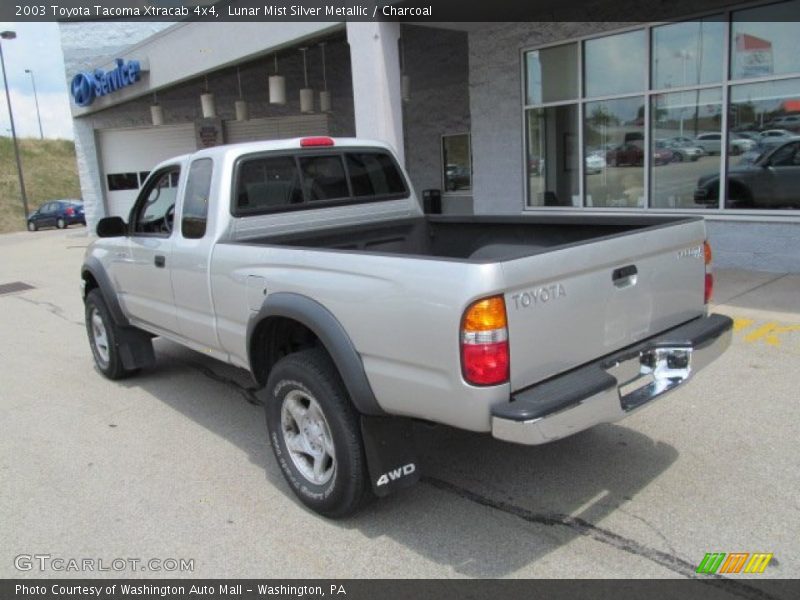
(685, 146)
(552, 156)
(552, 74)
(764, 174)
(615, 64)
(688, 53)
(710, 132)
(613, 134)
(457, 163)
(766, 41)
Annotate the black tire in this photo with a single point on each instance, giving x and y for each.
(740, 196)
(678, 157)
(61, 223)
(311, 374)
(111, 366)
(32, 226)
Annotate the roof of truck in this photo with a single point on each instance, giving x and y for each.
(322, 142)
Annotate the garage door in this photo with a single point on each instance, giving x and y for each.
(128, 155)
(276, 128)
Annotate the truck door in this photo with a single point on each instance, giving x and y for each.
(143, 271)
(191, 257)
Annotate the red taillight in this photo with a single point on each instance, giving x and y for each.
(484, 342)
(70, 211)
(316, 141)
(485, 364)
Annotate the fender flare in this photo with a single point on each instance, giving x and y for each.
(333, 336)
(95, 268)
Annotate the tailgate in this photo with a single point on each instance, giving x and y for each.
(575, 304)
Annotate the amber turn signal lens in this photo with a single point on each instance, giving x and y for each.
(486, 314)
(707, 251)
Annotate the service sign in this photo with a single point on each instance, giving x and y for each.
(86, 86)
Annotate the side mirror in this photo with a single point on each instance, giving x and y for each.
(111, 227)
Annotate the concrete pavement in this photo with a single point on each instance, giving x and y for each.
(174, 463)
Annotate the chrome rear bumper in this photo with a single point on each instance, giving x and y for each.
(611, 388)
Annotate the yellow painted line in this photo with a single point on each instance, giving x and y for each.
(740, 323)
(769, 333)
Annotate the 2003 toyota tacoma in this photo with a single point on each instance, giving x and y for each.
(310, 263)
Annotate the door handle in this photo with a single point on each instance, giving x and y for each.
(624, 276)
(160, 261)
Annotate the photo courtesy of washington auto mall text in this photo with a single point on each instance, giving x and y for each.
(399, 299)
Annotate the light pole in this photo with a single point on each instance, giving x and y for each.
(36, 100)
(10, 35)
(685, 56)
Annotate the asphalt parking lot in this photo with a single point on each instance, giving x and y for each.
(174, 464)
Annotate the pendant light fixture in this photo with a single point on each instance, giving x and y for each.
(207, 103)
(156, 112)
(240, 105)
(324, 95)
(306, 94)
(405, 80)
(277, 86)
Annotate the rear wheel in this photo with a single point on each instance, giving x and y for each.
(61, 223)
(315, 434)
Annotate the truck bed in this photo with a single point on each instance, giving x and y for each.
(478, 239)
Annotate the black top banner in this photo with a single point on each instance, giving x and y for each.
(369, 10)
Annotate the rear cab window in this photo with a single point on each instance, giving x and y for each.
(279, 182)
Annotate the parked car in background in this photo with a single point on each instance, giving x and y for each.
(776, 134)
(681, 151)
(711, 143)
(632, 154)
(790, 122)
(595, 162)
(764, 145)
(57, 213)
(771, 181)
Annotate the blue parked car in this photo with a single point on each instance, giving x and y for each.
(57, 213)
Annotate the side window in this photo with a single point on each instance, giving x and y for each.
(323, 178)
(457, 161)
(267, 183)
(195, 203)
(154, 210)
(374, 174)
(785, 156)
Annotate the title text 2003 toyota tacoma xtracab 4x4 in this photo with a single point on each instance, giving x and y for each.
(309, 263)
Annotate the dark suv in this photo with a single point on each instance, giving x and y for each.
(57, 213)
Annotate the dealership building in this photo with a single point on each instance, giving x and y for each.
(690, 117)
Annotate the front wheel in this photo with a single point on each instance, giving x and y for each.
(103, 337)
(315, 434)
(32, 226)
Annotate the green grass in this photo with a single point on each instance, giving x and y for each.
(50, 173)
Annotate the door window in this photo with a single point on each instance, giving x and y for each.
(154, 210)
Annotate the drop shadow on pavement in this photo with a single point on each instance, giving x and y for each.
(588, 476)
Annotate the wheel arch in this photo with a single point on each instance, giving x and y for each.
(300, 322)
(94, 276)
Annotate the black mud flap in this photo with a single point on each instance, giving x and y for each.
(391, 455)
(135, 348)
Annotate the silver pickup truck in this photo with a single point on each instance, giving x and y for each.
(310, 263)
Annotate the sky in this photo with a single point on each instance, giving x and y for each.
(37, 47)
